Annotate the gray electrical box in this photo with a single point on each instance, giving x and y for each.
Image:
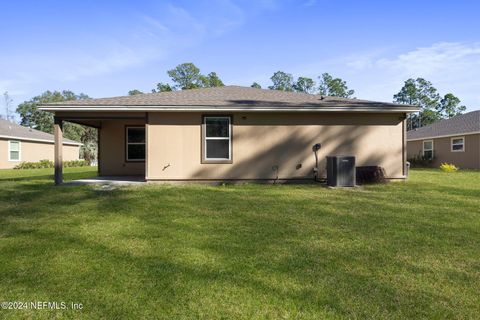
(341, 171)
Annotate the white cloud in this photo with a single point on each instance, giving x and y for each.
(310, 3)
(145, 38)
(450, 66)
(440, 58)
(378, 74)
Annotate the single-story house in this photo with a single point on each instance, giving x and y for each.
(236, 133)
(455, 140)
(21, 144)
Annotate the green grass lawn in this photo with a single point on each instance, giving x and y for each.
(396, 251)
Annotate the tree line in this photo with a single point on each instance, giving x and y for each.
(188, 76)
(420, 92)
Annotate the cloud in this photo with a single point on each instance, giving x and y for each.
(143, 38)
(450, 66)
(440, 58)
(310, 3)
(379, 73)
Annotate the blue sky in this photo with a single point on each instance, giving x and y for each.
(106, 48)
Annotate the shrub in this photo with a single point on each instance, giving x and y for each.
(448, 167)
(420, 161)
(49, 164)
(35, 165)
(75, 163)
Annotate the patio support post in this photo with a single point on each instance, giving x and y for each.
(58, 137)
(99, 169)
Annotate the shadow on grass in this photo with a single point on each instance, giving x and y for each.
(243, 251)
(45, 174)
(291, 281)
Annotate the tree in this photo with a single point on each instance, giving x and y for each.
(334, 87)
(449, 106)
(186, 76)
(134, 92)
(162, 87)
(8, 106)
(211, 80)
(41, 120)
(256, 85)
(419, 92)
(282, 81)
(34, 118)
(306, 85)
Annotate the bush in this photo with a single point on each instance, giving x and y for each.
(75, 163)
(42, 164)
(448, 167)
(419, 161)
(35, 165)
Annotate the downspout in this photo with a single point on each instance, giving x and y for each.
(315, 149)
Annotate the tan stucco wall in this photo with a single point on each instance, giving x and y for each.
(469, 159)
(35, 151)
(264, 140)
(112, 160)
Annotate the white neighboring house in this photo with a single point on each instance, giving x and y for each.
(21, 144)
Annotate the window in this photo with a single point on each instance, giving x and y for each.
(217, 139)
(13, 150)
(428, 149)
(457, 144)
(135, 137)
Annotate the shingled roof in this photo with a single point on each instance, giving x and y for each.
(458, 125)
(11, 130)
(227, 98)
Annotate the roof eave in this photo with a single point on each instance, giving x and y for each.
(144, 108)
(71, 143)
(442, 136)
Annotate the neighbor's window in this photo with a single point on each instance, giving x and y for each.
(458, 144)
(428, 149)
(14, 150)
(217, 139)
(135, 143)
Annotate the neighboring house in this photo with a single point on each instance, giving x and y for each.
(21, 144)
(237, 133)
(455, 140)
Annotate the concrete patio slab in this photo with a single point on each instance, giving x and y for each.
(110, 180)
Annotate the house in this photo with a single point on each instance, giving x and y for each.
(455, 140)
(21, 144)
(236, 133)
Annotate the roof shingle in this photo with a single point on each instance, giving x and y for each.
(228, 96)
(464, 123)
(16, 131)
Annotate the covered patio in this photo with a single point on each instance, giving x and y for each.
(121, 144)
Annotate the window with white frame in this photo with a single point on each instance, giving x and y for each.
(217, 139)
(457, 144)
(428, 149)
(135, 143)
(14, 150)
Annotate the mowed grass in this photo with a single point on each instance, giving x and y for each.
(396, 251)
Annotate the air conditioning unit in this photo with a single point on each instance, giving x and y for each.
(341, 171)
